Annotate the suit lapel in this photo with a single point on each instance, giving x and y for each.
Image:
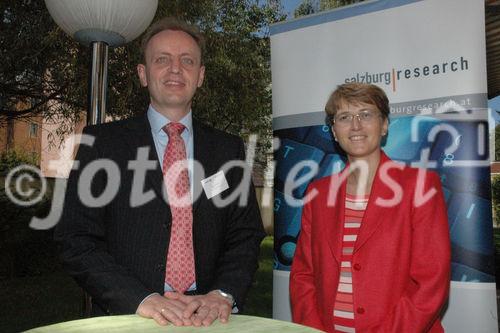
(139, 135)
(203, 147)
(372, 217)
(335, 216)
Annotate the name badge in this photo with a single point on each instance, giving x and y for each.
(214, 184)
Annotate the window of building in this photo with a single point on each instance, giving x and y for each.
(33, 130)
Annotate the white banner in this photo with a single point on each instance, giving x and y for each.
(429, 57)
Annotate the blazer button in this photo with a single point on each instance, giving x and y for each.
(360, 310)
(160, 267)
(357, 267)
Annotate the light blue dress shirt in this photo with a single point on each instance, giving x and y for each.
(157, 121)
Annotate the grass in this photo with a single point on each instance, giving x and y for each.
(34, 301)
(260, 297)
(496, 238)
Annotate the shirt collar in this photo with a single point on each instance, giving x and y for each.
(157, 121)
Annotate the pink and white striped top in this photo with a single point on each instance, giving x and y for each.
(343, 311)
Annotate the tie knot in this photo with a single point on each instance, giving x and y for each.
(173, 129)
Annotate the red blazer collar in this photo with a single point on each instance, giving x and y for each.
(373, 217)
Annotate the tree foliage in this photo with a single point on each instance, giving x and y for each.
(13, 158)
(307, 7)
(40, 65)
(497, 143)
(495, 195)
(48, 71)
(330, 4)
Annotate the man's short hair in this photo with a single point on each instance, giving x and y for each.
(173, 23)
(354, 93)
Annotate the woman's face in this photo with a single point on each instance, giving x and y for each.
(359, 129)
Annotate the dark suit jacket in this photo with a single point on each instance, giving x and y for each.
(401, 258)
(117, 253)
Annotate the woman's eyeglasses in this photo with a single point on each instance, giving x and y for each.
(364, 117)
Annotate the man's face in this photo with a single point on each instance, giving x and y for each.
(173, 70)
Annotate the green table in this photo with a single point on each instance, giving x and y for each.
(134, 323)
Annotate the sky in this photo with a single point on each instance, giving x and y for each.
(494, 104)
(290, 6)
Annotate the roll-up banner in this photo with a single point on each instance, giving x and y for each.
(429, 57)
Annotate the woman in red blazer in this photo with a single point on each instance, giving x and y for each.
(373, 253)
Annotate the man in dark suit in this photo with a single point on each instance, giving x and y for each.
(125, 238)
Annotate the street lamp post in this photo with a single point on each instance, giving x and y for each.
(101, 24)
(98, 83)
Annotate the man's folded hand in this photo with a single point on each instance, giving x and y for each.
(203, 310)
